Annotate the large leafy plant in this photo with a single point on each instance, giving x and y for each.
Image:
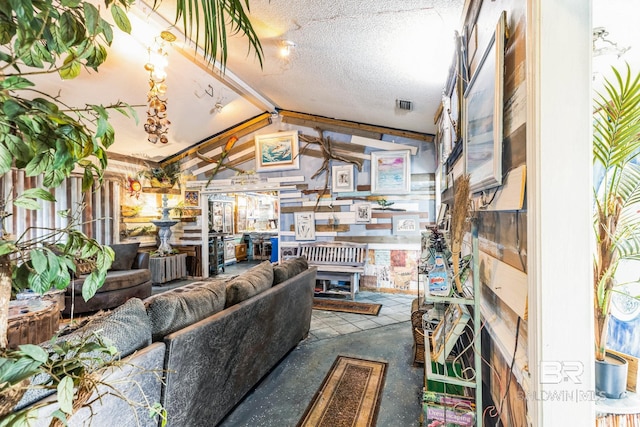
(43, 136)
(616, 155)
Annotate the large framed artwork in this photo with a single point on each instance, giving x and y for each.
(277, 151)
(390, 172)
(483, 115)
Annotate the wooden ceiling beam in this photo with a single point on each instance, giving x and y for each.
(347, 127)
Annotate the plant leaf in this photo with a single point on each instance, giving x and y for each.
(65, 395)
(121, 19)
(39, 193)
(35, 352)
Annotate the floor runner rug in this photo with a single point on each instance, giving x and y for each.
(349, 395)
(346, 306)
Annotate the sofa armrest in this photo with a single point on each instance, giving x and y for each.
(141, 261)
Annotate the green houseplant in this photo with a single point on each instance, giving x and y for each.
(43, 136)
(616, 154)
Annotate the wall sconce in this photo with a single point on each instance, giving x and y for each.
(157, 123)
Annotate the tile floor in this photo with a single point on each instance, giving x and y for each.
(396, 308)
(280, 399)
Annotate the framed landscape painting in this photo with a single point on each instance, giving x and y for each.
(391, 172)
(277, 151)
(483, 116)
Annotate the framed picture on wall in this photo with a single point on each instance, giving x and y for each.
(305, 225)
(391, 172)
(342, 179)
(191, 198)
(277, 151)
(483, 115)
(406, 225)
(363, 213)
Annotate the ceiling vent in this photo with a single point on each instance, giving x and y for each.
(403, 104)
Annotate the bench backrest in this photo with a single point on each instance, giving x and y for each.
(335, 253)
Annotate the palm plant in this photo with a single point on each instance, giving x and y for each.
(217, 18)
(616, 154)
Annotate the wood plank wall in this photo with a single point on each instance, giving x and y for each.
(502, 233)
(96, 220)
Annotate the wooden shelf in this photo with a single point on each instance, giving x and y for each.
(160, 190)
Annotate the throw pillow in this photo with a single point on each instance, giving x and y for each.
(125, 254)
(249, 283)
(127, 327)
(289, 268)
(173, 310)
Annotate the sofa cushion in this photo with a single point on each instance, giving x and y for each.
(125, 254)
(126, 327)
(249, 283)
(289, 268)
(173, 310)
(115, 280)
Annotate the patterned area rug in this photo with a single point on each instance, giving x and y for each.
(349, 395)
(346, 306)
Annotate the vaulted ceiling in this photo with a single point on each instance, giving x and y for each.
(352, 61)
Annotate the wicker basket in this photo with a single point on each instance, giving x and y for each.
(10, 396)
(418, 335)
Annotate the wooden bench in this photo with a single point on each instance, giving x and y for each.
(336, 261)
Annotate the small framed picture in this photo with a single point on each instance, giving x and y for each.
(277, 151)
(342, 179)
(191, 198)
(406, 225)
(363, 213)
(305, 225)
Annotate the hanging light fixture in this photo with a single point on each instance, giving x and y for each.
(157, 123)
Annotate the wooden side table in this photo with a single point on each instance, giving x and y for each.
(167, 268)
(32, 321)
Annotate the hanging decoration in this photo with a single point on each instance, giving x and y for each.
(133, 187)
(157, 123)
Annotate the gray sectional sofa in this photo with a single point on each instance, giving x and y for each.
(203, 347)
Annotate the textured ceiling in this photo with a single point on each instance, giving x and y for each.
(352, 60)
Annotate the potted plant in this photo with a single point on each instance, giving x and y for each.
(44, 137)
(163, 176)
(616, 155)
